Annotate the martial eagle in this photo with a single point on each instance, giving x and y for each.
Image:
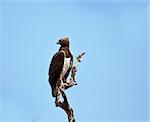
(60, 66)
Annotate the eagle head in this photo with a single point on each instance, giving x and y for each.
(64, 42)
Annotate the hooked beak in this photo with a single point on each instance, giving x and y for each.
(59, 42)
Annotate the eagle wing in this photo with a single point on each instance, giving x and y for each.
(55, 69)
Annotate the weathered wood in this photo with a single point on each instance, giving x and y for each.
(64, 104)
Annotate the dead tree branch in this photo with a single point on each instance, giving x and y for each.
(64, 104)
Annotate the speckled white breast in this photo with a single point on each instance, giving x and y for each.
(66, 65)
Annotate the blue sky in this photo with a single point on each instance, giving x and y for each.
(112, 79)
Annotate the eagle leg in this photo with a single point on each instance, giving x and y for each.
(64, 84)
(72, 80)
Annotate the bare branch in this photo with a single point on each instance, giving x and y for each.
(66, 107)
(64, 104)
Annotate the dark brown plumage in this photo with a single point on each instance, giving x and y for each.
(61, 64)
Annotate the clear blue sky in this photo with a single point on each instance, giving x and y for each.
(112, 79)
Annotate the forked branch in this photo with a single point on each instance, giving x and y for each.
(64, 104)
